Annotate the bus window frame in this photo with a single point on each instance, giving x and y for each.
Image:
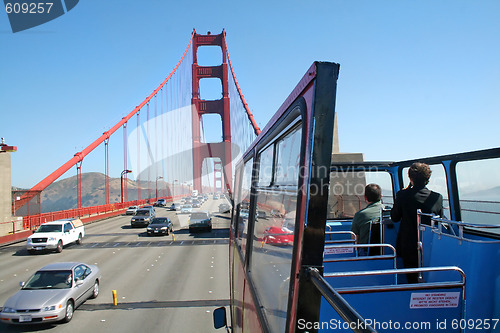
(317, 90)
(234, 222)
(293, 118)
(449, 163)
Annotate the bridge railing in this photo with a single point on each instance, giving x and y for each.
(20, 228)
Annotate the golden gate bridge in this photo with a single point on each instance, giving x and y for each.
(163, 139)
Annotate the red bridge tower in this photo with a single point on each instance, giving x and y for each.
(221, 150)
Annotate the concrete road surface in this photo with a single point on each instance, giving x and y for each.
(162, 285)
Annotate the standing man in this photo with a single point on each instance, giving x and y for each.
(415, 196)
(361, 221)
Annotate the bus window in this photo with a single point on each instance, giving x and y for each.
(347, 190)
(288, 159)
(266, 166)
(437, 183)
(243, 205)
(384, 180)
(479, 191)
(274, 232)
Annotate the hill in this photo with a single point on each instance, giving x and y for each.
(488, 194)
(61, 194)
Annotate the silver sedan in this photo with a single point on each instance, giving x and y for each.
(52, 294)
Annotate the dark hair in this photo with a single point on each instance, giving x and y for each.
(419, 173)
(373, 192)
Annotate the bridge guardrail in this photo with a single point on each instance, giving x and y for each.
(17, 230)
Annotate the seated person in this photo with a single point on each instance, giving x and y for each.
(361, 221)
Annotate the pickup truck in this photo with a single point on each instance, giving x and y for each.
(54, 235)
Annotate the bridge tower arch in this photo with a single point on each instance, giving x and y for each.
(200, 107)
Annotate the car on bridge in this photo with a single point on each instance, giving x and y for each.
(175, 206)
(281, 235)
(200, 220)
(160, 203)
(131, 210)
(186, 209)
(142, 217)
(52, 294)
(160, 226)
(56, 234)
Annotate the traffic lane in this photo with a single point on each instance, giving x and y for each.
(179, 296)
(156, 289)
(116, 259)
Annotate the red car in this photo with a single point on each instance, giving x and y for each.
(280, 235)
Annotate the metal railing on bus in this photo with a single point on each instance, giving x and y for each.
(438, 223)
(352, 236)
(416, 286)
(339, 304)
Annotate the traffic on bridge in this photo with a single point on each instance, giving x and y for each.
(183, 273)
(182, 214)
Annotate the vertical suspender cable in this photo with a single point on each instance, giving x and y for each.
(162, 145)
(79, 185)
(106, 171)
(125, 191)
(156, 141)
(138, 171)
(149, 155)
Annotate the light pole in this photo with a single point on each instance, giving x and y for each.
(175, 182)
(121, 182)
(159, 177)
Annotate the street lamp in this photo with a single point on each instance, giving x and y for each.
(173, 192)
(121, 181)
(159, 177)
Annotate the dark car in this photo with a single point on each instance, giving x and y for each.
(200, 220)
(261, 214)
(142, 217)
(160, 226)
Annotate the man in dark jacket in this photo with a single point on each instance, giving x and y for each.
(415, 196)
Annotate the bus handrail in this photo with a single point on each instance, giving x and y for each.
(435, 219)
(438, 219)
(341, 241)
(361, 245)
(423, 285)
(338, 303)
(340, 232)
(357, 258)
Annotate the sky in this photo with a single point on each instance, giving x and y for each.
(417, 78)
